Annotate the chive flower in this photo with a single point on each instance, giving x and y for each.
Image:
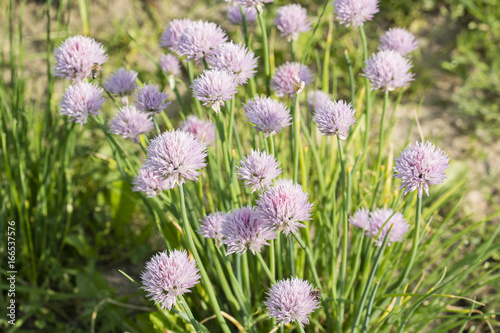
(335, 118)
(268, 115)
(258, 170)
(355, 12)
(388, 70)
(213, 87)
(202, 130)
(80, 100)
(168, 275)
(150, 99)
(286, 76)
(234, 14)
(376, 224)
(292, 20)
(76, 56)
(316, 99)
(236, 59)
(419, 166)
(253, 3)
(150, 182)
(399, 40)
(121, 82)
(211, 226)
(130, 123)
(171, 36)
(200, 39)
(170, 64)
(291, 300)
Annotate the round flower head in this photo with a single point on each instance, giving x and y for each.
(76, 56)
(355, 12)
(168, 275)
(130, 123)
(291, 300)
(419, 166)
(380, 223)
(316, 99)
(268, 115)
(173, 31)
(211, 226)
(244, 230)
(283, 206)
(176, 156)
(149, 99)
(234, 14)
(236, 59)
(150, 182)
(361, 219)
(200, 40)
(121, 82)
(170, 64)
(286, 76)
(201, 129)
(399, 40)
(258, 170)
(388, 70)
(80, 100)
(253, 3)
(335, 118)
(292, 20)
(214, 87)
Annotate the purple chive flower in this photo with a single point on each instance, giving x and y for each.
(121, 82)
(234, 14)
(80, 100)
(211, 226)
(268, 115)
(355, 12)
(76, 56)
(176, 156)
(236, 59)
(316, 98)
(151, 183)
(335, 118)
(130, 123)
(168, 275)
(214, 87)
(399, 40)
(283, 206)
(419, 166)
(201, 129)
(149, 99)
(200, 40)
(388, 70)
(244, 230)
(170, 64)
(286, 76)
(292, 20)
(173, 31)
(291, 300)
(380, 225)
(258, 170)
(361, 219)
(253, 3)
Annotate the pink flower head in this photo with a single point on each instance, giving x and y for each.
(80, 100)
(170, 64)
(244, 230)
(316, 99)
(234, 14)
(419, 166)
(130, 123)
(213, 87)
(291, 300)
(200, 40)
(399, 40)
(286, 76)
(171, 36)
(376, 224)
(355, 12)
(268, 115)
(211, 226)
(76, 56)
(335, 118)
(236, 59)
(121, 82)
(150, 182)
(292, 20)
(258, 170)
(283, 206)
(361, 219)
(168, 275)
(253, 3)
(388, 70)
(150, 99)
(175, 156)
(203, 130)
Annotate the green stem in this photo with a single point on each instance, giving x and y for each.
(191, 79)
(265, 45)
(381, 133)
(157, 126)
(266, 268)
(245, 28)
(367, 92)
(299, 327)
(292, 49)
(188, 312)
(416, 236)
(296, 138)
(204, 276)
(351, 76)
